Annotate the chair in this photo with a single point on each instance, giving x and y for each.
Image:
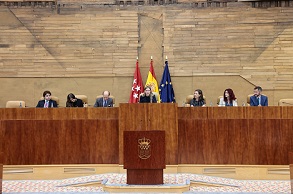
(113, 98)
(83, 98)
(52, 98)
(156, 95)
(286, 102)
(218, 100)
(189, 98)
(248, 99)
(15, 104)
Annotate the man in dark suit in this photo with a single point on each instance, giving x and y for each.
(257, 99)
(105, 101)
(47, 102)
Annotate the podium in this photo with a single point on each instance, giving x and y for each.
(144, 157)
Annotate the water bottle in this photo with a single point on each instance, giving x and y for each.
(243, 104)
(84, 105)
(183, 104)
(20, 105)
(211, 103)
(52, 105)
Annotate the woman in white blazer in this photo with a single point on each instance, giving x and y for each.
(229, 98)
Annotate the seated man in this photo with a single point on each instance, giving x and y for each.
(105, 101)
(257, 99)
(47, 102)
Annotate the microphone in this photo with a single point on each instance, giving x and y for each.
(287, 103)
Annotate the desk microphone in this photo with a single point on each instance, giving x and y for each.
(288, 103)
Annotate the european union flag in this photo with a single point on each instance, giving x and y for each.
(166, 88)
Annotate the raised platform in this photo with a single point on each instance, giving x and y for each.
(53, 172)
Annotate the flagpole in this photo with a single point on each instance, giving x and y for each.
(166, 60)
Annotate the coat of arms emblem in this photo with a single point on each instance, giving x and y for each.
(144, 148)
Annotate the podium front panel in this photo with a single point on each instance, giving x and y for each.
(148, 117)
(144, 149)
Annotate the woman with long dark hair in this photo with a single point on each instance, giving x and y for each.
(72, 101)
(228, 98)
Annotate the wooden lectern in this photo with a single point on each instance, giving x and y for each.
(144, 157)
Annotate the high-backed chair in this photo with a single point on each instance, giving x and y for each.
(83, 98)
(156, 95)
(218, 99)
(53, 98)
(286, 102)
(15, 104)
(189, 98)
(101, 96)
(248, 99)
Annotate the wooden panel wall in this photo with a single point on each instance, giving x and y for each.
(61, 142)
(235, 141)
(235, 135)
(59, 136)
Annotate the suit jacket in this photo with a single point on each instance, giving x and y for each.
(77, 103)
(100, 101)
(263, 101)
(41, 104)
(222, 102)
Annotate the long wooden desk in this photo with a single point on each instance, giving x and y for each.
(1, 156)
(204, 135)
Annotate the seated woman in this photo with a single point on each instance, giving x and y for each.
(72, 101)
(198, 99)
(147, 96)
(229, 98)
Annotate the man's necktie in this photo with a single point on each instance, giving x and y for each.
(46, 104)
(105, 103)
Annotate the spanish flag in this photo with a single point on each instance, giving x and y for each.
(152, 81)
